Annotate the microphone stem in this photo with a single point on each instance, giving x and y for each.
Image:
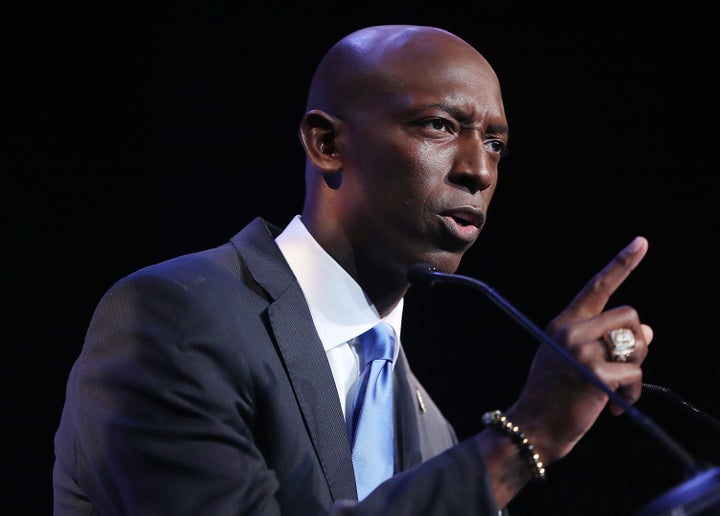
(679, 401)
(643, 421)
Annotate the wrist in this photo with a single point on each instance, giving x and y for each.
(496, 421)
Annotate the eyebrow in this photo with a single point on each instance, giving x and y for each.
(499, 128)
(460, 115)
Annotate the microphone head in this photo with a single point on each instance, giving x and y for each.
(420, 274)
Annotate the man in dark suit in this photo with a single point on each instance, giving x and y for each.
(223, 381)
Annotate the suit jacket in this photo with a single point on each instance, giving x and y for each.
(203, 388)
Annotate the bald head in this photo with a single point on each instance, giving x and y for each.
(370, 61)
(403, 133)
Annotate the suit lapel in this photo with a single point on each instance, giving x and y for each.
(312, 380)
(407, 451)
(303, 355)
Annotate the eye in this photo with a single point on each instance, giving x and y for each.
(438, 124)
(497, 146)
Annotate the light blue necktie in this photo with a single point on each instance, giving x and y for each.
(372, 424)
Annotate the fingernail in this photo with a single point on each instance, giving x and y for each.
(634, 245)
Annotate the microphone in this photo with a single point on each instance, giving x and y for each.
(700, 492)
(683, 404)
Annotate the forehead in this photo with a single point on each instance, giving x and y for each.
(424, 67)
(466, 86)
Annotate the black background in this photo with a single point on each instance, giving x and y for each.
(140, 130)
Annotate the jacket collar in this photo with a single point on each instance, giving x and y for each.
(302, 353)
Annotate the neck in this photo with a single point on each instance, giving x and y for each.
(382, 282)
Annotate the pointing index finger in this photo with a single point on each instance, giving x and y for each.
(593, 297)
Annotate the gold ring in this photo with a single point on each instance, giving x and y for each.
(622, 341)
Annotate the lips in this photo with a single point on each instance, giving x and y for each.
(464, 223)
(465, 218)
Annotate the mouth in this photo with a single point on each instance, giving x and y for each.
(466, 218)
(464, 223)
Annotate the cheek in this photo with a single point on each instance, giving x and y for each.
(411, 173)
(425, 164)
(420, 176)
(393, 170)
(435, 157)
(394, 153)
(489, 192)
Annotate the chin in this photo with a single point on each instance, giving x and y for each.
(444, 261)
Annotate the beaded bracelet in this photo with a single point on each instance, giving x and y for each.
(497, 421)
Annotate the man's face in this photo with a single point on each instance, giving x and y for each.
(421, 152)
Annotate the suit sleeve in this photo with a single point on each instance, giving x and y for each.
(151, 423)
(456, 482)
(161, 418)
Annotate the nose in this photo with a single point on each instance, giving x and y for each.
(475, 165)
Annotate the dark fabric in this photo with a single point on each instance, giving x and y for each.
(202, 388)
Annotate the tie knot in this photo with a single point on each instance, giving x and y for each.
(378, 342)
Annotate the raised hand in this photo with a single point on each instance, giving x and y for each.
(558, 405)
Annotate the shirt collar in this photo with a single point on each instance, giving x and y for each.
(340, 309)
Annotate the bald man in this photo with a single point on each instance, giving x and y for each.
(223, 381)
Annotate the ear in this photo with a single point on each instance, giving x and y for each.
(318, 134)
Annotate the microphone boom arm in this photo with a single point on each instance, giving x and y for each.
(425, 274)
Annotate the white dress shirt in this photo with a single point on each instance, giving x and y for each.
(340, 309)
